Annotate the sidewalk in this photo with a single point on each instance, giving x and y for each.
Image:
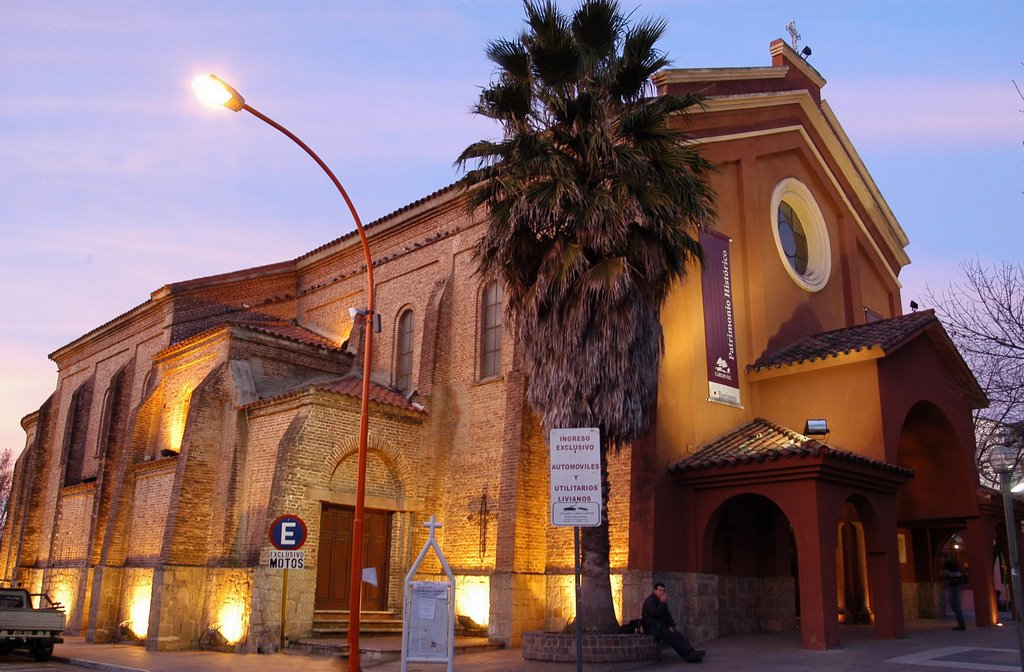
(930, 646)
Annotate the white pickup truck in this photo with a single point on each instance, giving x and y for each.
(26, 626)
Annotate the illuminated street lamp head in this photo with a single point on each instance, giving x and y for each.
(215, 92)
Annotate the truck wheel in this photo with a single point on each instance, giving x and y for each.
(42, 652)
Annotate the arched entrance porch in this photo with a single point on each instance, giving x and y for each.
(762, 471)
(943, 500)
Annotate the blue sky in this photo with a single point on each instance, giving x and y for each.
(115, 182)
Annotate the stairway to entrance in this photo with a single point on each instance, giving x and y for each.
(333, 623)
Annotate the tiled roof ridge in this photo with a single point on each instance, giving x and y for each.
(262, 325)
(719, 452)
(380, 220)
(267, 327)
(888, 333)
(349, 385)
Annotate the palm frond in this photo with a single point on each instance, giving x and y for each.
(595, 199)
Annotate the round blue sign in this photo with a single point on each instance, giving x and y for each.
(288, 533)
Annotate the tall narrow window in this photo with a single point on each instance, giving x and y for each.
(490, 331)
(403, 352)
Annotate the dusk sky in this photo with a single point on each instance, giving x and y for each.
(114, 181)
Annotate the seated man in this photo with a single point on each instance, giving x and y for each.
(658, 622)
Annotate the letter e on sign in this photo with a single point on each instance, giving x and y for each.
(288, 533)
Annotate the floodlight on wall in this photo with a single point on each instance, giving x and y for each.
(353, 312)
(805, 52)
(816, 427)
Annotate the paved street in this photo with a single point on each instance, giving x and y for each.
(930, 646)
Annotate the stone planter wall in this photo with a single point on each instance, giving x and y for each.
(597, 648)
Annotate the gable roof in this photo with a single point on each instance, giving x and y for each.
(352, 386)
(289, 331)
(887, 334)
(349, 385)
(760, 440)
(873, 340)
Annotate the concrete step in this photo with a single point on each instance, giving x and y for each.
(377, 650)
(328, 624)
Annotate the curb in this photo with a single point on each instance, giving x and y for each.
(93, 665)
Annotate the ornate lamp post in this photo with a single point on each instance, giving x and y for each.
(1003, 460)
(216, 92)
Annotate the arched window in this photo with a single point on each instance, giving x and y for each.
(403, 352)
(490, 330)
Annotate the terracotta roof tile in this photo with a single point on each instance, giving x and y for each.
(288, 331)
(352, 386)
(349, 385)
(760, 440)
(887, 334)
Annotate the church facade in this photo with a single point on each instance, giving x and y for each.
(812, 454)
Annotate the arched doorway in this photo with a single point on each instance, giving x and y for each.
(749, 546)
(939, 513)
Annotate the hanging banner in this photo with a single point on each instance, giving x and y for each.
(719, 327)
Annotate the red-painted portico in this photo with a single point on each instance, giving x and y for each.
(841, 531)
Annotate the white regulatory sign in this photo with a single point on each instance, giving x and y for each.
(575, 477)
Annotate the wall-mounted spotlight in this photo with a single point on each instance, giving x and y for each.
(913, 305)
(352, 312)
(816, 427)
(805, 52)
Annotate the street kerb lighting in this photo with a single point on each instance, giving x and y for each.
(215, 92)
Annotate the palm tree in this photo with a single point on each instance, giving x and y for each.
(594, 199)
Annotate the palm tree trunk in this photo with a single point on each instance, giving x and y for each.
(598, 612)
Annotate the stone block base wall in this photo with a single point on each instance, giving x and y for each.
(68, 586)
(923, 600)
(104, 604)
(756, 604)
(179, 598)
(228, 600)
(517, 606)
(560, 605)
(694, 601)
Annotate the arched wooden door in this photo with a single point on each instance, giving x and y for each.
(334, 561)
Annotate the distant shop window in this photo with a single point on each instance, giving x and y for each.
(490, 331)
(403, 356)
(800, 235)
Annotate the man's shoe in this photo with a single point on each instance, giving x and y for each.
(960, 627)
(694, 656)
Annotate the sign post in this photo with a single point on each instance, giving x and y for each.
(576, 497)
(287, 535)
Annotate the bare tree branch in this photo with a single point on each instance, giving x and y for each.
(984, 315)
(6, 475)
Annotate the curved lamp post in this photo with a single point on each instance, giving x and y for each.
(1003, 460)
(215, 92)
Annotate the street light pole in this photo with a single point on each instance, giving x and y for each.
(1003, 459)
(216, 92)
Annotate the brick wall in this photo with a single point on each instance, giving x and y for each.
(149, 511)
(73, 525)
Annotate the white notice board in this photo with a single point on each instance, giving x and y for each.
(575, 477)
(427, 615)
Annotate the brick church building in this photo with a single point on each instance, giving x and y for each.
(182, 428)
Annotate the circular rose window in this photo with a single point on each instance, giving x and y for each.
(800, 235)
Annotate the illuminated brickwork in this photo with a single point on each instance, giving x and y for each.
(179, 430)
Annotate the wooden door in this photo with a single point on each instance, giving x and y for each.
(334, 561)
